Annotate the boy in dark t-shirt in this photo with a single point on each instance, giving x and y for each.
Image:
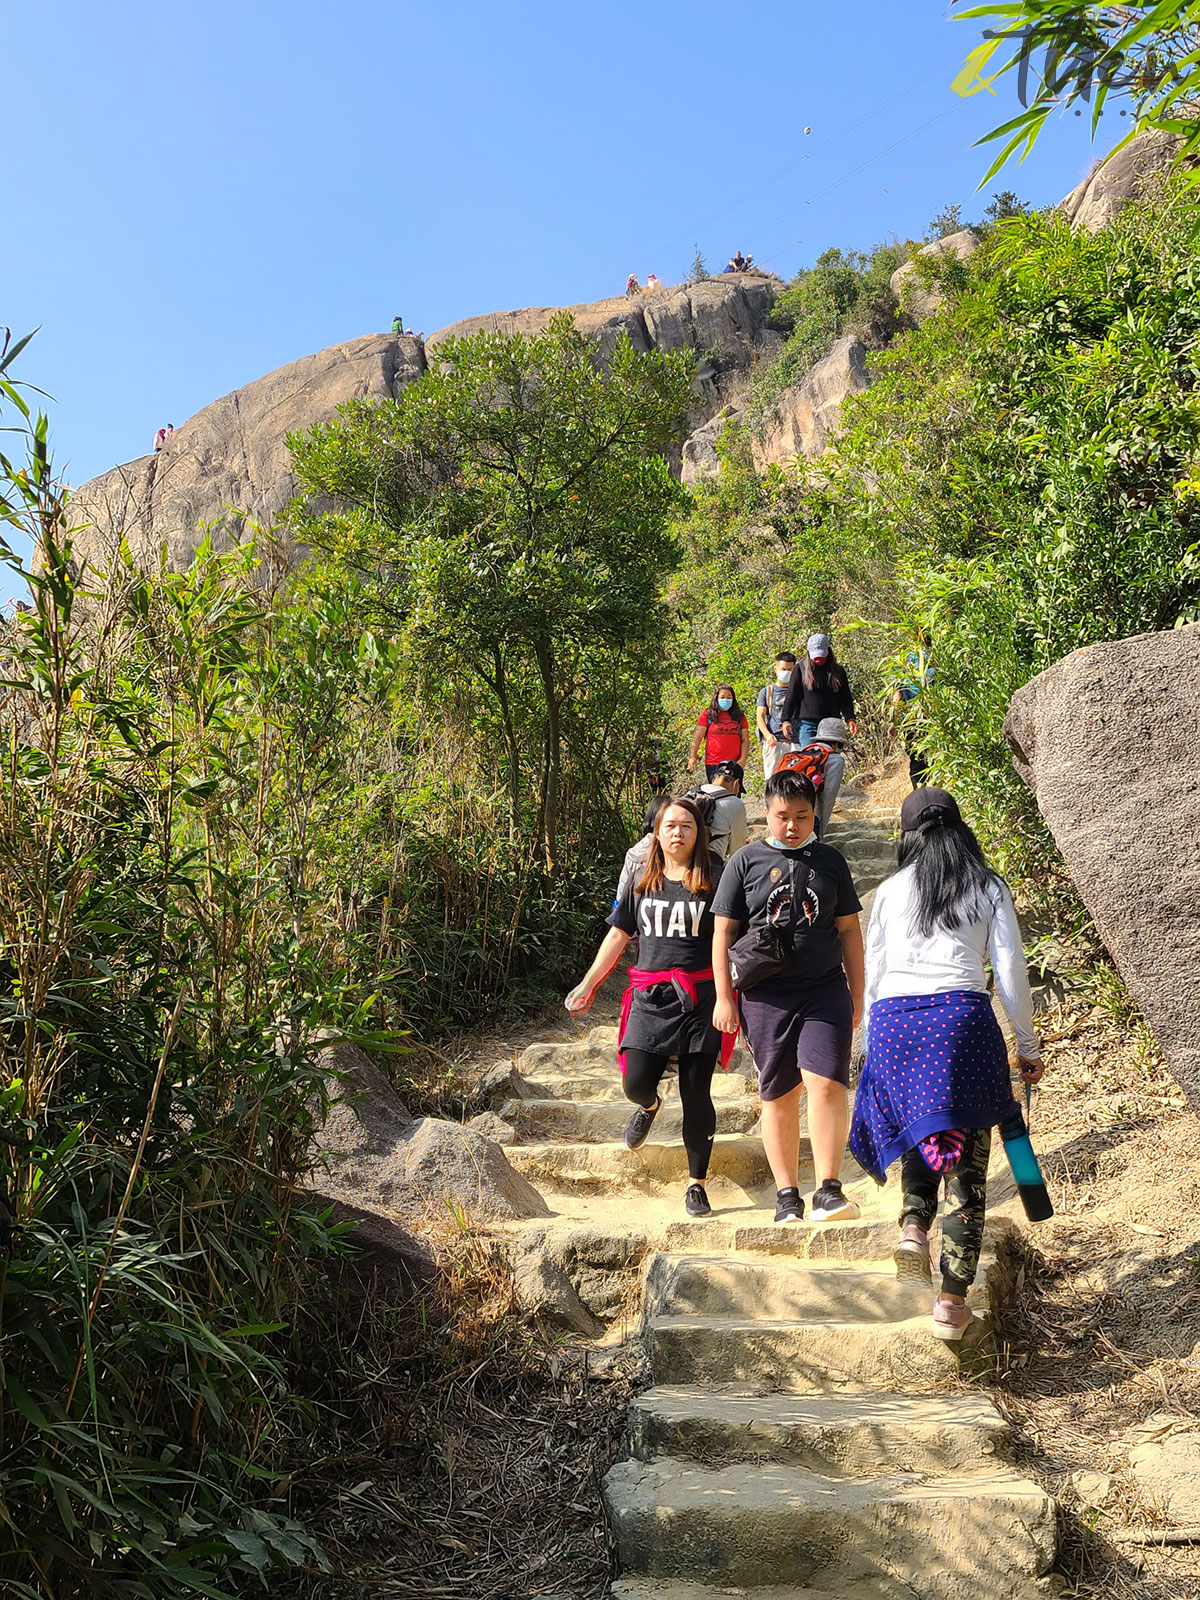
(799, 1022)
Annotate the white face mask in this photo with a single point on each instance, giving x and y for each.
(784, 674)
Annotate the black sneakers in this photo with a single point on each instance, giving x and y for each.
(638, 1127)
(695, 1201)
(788, 1206)
(829, 1204)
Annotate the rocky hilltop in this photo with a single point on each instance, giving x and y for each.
(227, 469)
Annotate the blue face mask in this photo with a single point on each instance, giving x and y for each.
(782, 844)
(725, 703)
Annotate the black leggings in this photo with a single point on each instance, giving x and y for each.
(643, 1073)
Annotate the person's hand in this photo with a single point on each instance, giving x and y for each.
(771, 741)
(579, 999)
(691, 763)
(725, 1016)
(857, 1018)
(1031, 1071)
(787, 731)
(893, 731)
(853, 726)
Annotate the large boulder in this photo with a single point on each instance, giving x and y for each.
(1109, 741)
(229, 465)
(379, 1158)
(1131, 173)
(807, 416)
(919, 300)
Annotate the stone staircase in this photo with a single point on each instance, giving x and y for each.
(804, 1437)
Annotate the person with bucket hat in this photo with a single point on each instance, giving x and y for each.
(936, 1077)
(818, 690)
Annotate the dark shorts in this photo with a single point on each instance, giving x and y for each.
(796, 1028)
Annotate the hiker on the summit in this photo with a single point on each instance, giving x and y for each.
(788, 959)
(936, 1078)
(722, 799)
(668, 1007)
(820, 689)
(723, 731)
(397, 324)
(768, 715)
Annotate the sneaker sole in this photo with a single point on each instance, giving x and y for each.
(941, 1331)
(844, 1213)
(783, 1222)
(912, 1262)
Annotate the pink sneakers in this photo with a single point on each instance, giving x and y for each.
(951, 1321)
(911, 1255)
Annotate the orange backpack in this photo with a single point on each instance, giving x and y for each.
(810, 761)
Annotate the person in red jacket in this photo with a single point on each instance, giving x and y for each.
(723, 731)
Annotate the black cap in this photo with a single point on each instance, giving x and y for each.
(928, 805)
(731, 769)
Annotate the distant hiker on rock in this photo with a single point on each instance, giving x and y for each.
(919, 676)
(170, 429)
(823, 764)
(820, 689)
(936, 1079)
(652, 283)
(667, 1009)
(160, 439)
(635, 856)
(632, 286)
(737, 263)
(723, 731)
(768, 715)
(720, 802)
(397, 324)
(788, 959)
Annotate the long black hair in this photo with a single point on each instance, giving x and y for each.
(835, 672)
(735, 711)
(952, 877)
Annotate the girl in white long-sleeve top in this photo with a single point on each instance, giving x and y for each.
(936, 1079)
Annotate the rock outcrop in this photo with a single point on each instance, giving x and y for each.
(807, 415)
(379, 1158)
(916, 299)
(228, 467)
(1109, 741)
(1129, 174)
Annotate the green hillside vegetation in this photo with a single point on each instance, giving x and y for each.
(1019, 481)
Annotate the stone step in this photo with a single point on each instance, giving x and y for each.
(635, 1587)
(842, 1434)
(781, 1290)
(600, 1083)
(598, 1049)
(544, 1121)
(872, 1238)
(811, 1355)
(736, 1158)
(747, 1524)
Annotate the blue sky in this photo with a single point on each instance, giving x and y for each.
(198, 194)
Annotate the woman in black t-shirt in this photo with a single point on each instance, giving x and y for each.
(667, 1009)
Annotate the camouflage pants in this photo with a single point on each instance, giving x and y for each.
(966, 1202)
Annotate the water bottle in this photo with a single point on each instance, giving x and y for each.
(1025, 1170)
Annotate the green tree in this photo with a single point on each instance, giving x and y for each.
(1080, 51)
(510, 511)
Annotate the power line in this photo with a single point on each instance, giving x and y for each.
(834, 138)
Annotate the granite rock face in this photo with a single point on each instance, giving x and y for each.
(807, 415)
(1128, 175)
(1119, 786)
(917, 300)
(228, 467)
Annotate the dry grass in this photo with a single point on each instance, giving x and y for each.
(1107, 1319)
(460, 1455)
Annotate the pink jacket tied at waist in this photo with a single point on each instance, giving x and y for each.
(687, 981)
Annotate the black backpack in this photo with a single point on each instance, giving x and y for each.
(705, 804)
